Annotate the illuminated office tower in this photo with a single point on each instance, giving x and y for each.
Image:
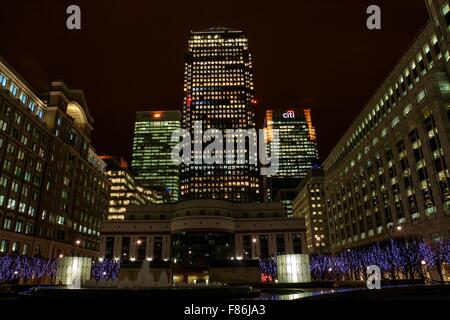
(152, 147)
(297, 149)
(124, 192)
(219, 91)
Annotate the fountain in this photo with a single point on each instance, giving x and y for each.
(138, 285)
(125, 283)
(145, 277)
(163, 280)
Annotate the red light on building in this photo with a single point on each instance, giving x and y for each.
(254, 102)
(189, 101)
(266, 278)
(157, 115)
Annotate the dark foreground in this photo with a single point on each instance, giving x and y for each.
(229, 303)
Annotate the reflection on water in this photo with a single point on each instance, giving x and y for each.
(299, 295)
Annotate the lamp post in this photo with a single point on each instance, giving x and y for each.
(391, 230)
(138, 244)
(254, 243)
(76, 243)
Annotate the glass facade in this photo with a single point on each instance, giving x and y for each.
(219, 91)
(297, 150)
(152, 148)
(297, 147)
(200, 248)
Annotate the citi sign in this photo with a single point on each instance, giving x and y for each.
(289, 115)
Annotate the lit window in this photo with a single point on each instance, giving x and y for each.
(13, 89)
(11, 204)
(421, 95)
(407, 109)
(7, 224)
(60, 220)
(395, 121)
(446, 13)
(32, 106)
(4, 244)
(23, 98)
(3, 80)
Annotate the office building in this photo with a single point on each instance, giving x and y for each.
(53, 189)
(152, 163)
(310, 205)
(388, 175)
(297, 151)
(124, 191)
(219, 91)
(193, 234)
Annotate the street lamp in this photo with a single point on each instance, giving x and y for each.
(76, 243)
(138, 245)
(391, 229)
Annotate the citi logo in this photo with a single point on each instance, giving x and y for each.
(289, 115)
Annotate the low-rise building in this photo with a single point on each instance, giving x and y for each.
(192, 234)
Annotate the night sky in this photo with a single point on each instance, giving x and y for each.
(128, 56)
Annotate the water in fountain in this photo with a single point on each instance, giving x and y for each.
(144, 278)
(125, 283)
(163, 280)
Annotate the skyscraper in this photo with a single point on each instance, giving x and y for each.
(297, 140)
(297, 151)
(219, 91)
(152, 147)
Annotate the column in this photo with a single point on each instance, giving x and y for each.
(238, 249)
(117, 247)
(133, 252)
(148, 247)
(272, 244)
(289, 246)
